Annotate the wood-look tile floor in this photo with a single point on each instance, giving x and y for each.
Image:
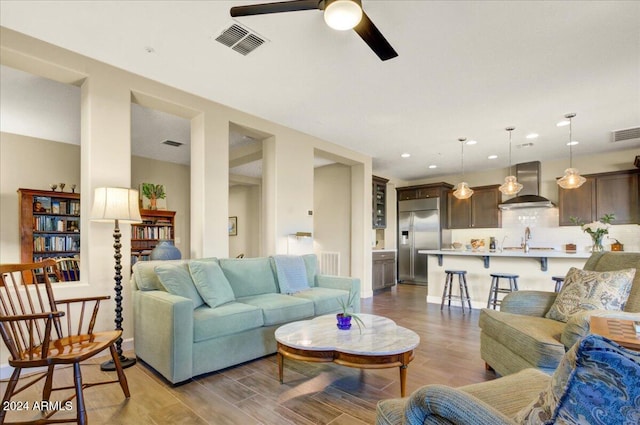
(312, 393)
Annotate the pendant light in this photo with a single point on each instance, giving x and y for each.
(463, 191)
(510, 185)
(572, 178)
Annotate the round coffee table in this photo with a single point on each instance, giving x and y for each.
(381, 344)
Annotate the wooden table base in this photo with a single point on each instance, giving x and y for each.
(360, 361)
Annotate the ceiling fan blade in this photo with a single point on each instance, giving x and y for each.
(374, 38)
(283, 6)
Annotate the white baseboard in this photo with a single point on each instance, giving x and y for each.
(6, 370)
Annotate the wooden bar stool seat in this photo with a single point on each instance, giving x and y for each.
(448, 287)
(496, 289)
(559, 281)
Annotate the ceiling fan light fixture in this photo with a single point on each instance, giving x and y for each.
(343, 15)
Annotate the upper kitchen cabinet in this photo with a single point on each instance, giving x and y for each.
(604, 193)
(424, 191)
(479, 211)
(379, 207)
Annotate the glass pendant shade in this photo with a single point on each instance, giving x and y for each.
(510, 186)
(571, 179)
(343, 15)
(463, 191)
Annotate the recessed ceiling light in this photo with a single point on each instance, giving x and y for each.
(532, 136)
(562, 123)
(471, 142)
(572, 143)
(525, 145)
(405, 155)
(433, 166)
(492, 157)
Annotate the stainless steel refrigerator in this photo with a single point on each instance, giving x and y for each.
(418, 228)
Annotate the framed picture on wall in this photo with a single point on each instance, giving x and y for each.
(233, 226)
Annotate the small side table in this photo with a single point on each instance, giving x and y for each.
(620, 331)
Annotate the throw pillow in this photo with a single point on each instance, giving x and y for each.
(589, 290)
(177, 281)
(211, 283)
(597, 381)
(292, 273)
(311, 263)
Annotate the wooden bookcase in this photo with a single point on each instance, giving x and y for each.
(49, 224)
(156, 225)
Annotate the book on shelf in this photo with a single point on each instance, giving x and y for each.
(55, 207)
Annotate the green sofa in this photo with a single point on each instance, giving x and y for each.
(519, 336)
(181, 336)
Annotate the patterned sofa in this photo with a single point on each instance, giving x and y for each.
(519, 336)
(597, 382)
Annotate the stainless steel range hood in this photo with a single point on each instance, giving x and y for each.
(528, 174)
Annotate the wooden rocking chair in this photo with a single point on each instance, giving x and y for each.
(40, 332)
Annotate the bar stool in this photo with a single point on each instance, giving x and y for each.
(559, 280)
(448, 286)
(497, 289)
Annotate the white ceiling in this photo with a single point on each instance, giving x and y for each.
(465, 69)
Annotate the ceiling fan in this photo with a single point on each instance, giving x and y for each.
(338, 14)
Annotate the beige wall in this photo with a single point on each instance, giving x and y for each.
(106, 96)
(244, 203)
(332, 213)
(30, 163)
(176, 181)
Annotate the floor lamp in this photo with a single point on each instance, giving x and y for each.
(120, 205)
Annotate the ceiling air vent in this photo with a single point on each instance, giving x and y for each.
(172, 143)
(241, 39)
(625, 135)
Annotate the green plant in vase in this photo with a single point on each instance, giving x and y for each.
(153, 192)
(596, 229)
(344, 318)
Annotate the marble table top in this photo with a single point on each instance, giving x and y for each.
(380, 336)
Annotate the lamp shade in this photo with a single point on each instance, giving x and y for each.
(115, 203)
(342, 15)
(463, 191)
(510, 186)
(571, 179)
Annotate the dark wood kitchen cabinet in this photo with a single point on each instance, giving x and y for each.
(384, 269)
(432, 190)
(615, 192)
(479, 211)
(379, 205)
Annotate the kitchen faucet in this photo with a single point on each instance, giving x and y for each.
(527, 236)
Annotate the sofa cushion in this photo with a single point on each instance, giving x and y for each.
(279, 308)
(536, 339)
(211, 283)
(227, 319)
(145, 276)
(291, 273)
(591, 290)
(325, 300)
(249, 276)
(177, 281)
(596, 380)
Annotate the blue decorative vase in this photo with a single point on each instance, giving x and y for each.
(344, 322)
(165, 250)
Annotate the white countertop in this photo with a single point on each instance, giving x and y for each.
(533, 253)
(383, 250)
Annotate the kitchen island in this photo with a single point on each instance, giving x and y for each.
(535, 269)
